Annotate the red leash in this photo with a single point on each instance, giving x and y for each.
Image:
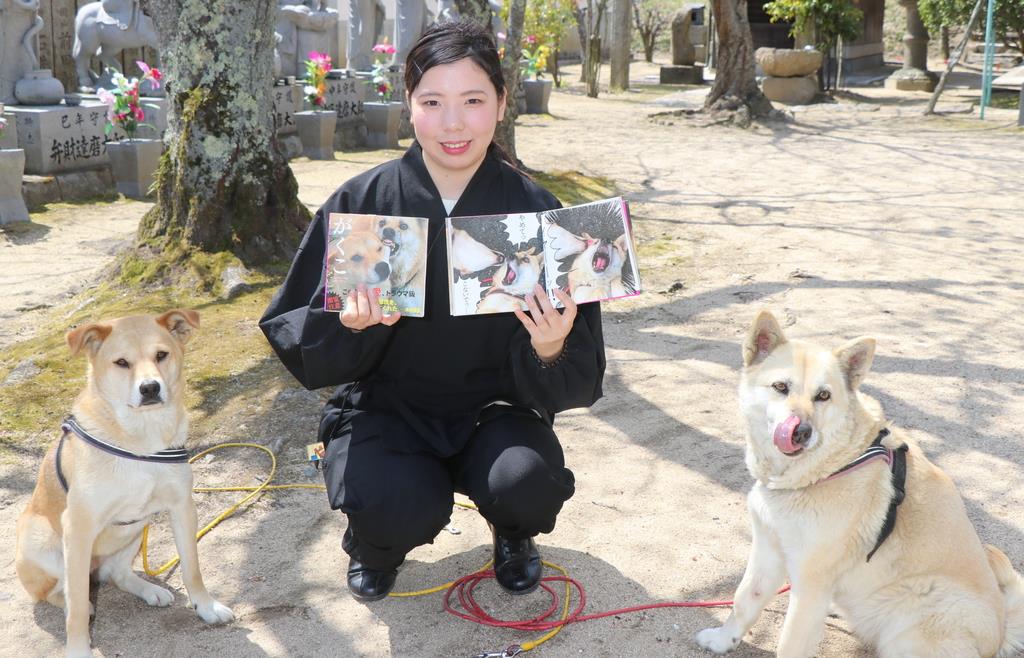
(463, 588)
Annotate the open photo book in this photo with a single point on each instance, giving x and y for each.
(496, 260)
(386, 254)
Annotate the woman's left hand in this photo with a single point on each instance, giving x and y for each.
(547, 325)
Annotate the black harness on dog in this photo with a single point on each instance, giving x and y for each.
(70, 425)
(898, 464)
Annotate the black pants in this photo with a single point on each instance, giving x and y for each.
(512, 468)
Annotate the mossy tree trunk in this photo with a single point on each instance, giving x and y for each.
(735, 89)
(223, 182)
(505, 134)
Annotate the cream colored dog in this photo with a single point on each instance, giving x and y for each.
(930, 588)
(133, 401)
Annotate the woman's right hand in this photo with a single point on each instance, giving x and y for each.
(362, 310)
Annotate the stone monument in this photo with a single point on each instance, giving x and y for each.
(914, 76)
(303, 28)
(104, 29)
(19, 25)
(410, 22)
(789, 74)
(684, 69)
(362, 33)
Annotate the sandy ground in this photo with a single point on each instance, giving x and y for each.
(854, 218)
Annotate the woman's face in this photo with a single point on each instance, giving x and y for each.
(455, 109)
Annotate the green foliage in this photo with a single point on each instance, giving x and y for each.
(546, 23)
(828, 19)
(1008, 19)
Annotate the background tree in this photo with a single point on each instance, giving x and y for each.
(223, 183)
(478, 10)
(549, 21)
(505, 134)
(1008, 19)
(650, 17)
(828, 20)
(592, 19)
(621, 44)
(735, 90)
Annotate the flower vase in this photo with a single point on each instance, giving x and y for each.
(537, 94)
(382, 122)
(134, 164)
(316, 132)
(12, 204)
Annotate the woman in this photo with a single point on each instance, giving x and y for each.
(434, 405)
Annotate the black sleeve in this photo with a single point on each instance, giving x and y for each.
(574, 380)
(312, 343)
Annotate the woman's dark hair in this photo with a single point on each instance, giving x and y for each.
(450, 41)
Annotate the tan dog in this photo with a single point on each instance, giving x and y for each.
(596, 272)
(406, 257)
(930, 588)
(512, 282)
(133, 400)
(360, 257)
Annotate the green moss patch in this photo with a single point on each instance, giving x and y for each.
(573, 187)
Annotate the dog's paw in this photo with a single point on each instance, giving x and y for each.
(717, 640)
(213, 612)
(156, 595)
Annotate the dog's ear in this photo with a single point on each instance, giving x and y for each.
(764, 336)
(90, 336)
(180, 322)
(855, 359)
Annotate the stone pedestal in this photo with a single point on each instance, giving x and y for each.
(912, 80)
(12, 168)
(9, 140)
(39, 88)
(682, 50)
(345, 96)
(287, 101)
(58, 138)
(681, 75)
(914, 76)
(791, 91)
(382, 120)
(134, 165)
(316, 130)
(538, 92)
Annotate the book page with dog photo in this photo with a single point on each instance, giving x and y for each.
(496, 260)
(386, 254)
(589, 251)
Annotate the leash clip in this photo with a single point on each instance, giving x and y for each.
(510, 652)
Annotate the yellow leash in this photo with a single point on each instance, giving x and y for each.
(266, 486)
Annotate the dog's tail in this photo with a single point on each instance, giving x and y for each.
(1012, 586)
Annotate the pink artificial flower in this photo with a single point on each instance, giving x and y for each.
(501, 36)
(322, 60)
(138, 113)
(384, 48)
(150, 73)
(530, 39)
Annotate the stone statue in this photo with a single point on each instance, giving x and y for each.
(19, 25)
(362, 32)
(304, 28)
(108, 26)
(410, 22)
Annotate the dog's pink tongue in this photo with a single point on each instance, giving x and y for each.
(784, 435)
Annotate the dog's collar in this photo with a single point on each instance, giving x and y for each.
(70, 425)
(897, 460)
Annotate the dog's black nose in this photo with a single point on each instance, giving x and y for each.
(383, 270)
(388, 233)
(150, 389)
(802, 434)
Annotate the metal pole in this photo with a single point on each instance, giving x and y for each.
(990, 53)
(1020, 107)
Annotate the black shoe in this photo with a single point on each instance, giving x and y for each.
(369, 584)
(517, 566)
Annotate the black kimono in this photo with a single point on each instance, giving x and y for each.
(436, 404)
